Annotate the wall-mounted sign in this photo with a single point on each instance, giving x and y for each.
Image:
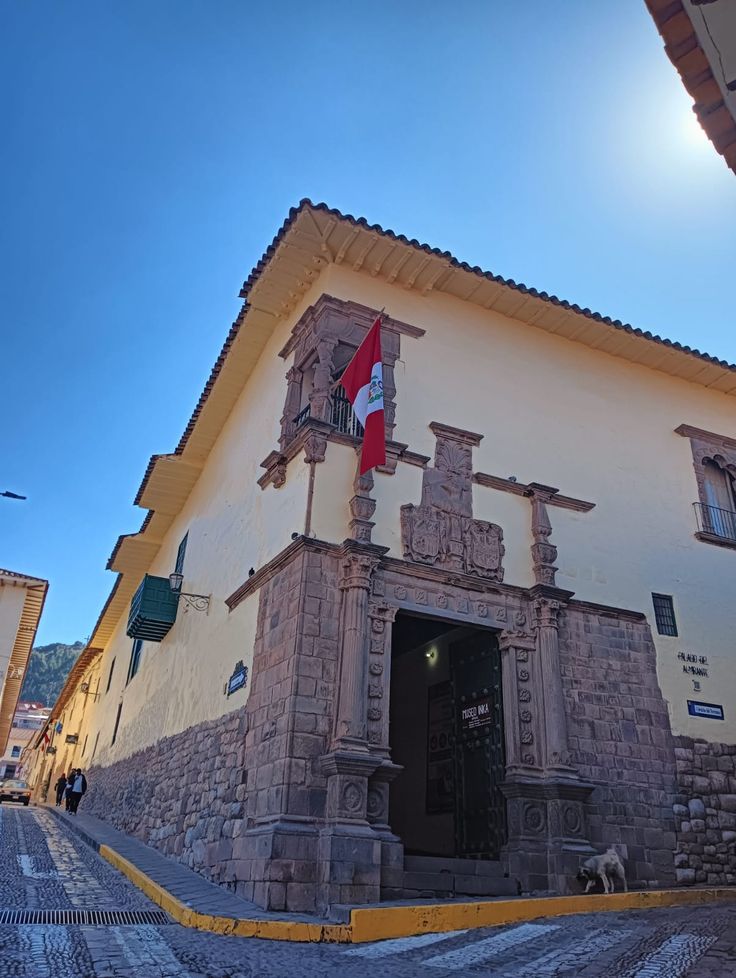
(713, 711)
(71, 739)
(238, 679)
(694, 665)
(59, 726)
(476, 715)
(50, 750)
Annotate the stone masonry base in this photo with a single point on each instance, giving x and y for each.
(705, 812)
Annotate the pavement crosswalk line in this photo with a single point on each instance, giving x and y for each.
(577, 953)
(146, 951)
(491, 947)
(672, 958)
(26, 867)
(382, 949)
(46, 945)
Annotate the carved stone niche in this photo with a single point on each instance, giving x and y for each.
(320, 347)
(441, 530)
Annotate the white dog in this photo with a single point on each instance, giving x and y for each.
(606, 868)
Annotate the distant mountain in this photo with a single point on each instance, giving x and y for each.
(48, 668)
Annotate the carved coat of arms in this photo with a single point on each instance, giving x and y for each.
(483, 549)
(421, 532)
(441, 529)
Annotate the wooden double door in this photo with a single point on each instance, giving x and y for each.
(479, 762)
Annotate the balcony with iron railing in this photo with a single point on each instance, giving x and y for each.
(716, 525)
(342, 416)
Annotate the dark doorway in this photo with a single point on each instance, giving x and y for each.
(446, 730)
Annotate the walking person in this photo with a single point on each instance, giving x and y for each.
(68, 790)
(79, 787)
(60, 789)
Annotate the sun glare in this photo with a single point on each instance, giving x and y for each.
(693, 131)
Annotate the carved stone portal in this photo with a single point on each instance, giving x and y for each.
(441, 531)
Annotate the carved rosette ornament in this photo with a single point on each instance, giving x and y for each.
(441, 530)
(379, 668)
(517, 649)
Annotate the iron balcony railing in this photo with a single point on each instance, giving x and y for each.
(301, 417)
(718, 522)
(342, 417)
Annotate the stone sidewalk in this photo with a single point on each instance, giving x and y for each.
(191, 889)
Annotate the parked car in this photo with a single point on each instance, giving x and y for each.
(15, 791)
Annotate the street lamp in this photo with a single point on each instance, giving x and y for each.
(200, 602)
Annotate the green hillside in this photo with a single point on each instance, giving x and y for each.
(48, 667)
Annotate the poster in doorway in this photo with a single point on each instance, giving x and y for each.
(440, 758)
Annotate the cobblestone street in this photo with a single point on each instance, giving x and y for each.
(43, 867)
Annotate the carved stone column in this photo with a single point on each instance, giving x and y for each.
(355, 583)
(320, 400)
(545, 799)
(556, 755)
(349, 850)
(291, 406)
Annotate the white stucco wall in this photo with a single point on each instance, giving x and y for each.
(551, 411)
(595, 426)
(233, 525)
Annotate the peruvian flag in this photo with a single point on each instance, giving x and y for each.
(46, 741)
(363, 384)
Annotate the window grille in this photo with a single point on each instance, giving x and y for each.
(664, 614)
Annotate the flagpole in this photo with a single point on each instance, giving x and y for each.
(337, 382)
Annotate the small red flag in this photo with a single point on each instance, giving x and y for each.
(363, 384)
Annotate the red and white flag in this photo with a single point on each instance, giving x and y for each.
(363, 384)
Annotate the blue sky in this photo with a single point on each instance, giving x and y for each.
(151, 149)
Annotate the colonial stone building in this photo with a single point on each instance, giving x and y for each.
(508, 647)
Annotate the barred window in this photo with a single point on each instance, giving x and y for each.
(664, 614)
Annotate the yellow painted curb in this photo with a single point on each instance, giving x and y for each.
(379, 923)
(272, 930)
(383, 922)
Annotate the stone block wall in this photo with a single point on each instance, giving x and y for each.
(620, 738)
(241, 799)
(184, 795)
(291, 705)
(705, 812)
